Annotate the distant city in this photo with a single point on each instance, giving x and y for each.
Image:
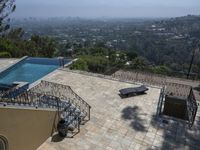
(168, 41)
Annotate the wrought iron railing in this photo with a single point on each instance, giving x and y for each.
(54, 92)
(172, 89)
(127, 76)
(40, 100)
(161, 101)
(55, 96)
(142, 77)
(2, 93)
(64, 93)
(183, 91)
(32, 99)
(191, 108)
(176, 89)
(7, 92)
(14, 91)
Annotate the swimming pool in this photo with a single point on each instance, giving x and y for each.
(29, 70)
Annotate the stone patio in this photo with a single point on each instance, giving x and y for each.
(120, 124)
(5, 62)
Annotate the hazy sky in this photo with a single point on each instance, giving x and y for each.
(106, 8)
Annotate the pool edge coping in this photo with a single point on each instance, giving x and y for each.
(43, 78)
(11, 65)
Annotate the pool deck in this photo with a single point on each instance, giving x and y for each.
(121, 124)
(6, 62)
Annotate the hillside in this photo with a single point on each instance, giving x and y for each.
(162, 42)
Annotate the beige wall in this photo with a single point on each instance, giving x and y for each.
(26, 129)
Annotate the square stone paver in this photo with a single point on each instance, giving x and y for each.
(117, 124)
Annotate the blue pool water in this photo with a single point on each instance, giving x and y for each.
(29, 70)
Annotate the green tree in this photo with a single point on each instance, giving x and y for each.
(140, 63)
(80, 64)
(131, 55)
(15, 34)
(5, 55)
(6, 8)
(162, 70)
(97, 64)
(14, 44)
(44, 46)
(6, 45)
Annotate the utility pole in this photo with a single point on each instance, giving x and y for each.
(191, 63)
(193, 55)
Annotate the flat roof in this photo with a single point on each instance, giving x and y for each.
(120, 124)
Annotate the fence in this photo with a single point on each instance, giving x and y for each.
(191, 108)
(145, 78)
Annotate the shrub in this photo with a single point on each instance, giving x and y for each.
(5, 55)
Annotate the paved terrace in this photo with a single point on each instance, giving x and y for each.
(121, 124)
(5, 62)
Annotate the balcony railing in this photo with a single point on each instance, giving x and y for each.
(64, 93)
(183, 92)
(72, 115)
(142, 77)
(32, 99)
(176, 89)
(191, 107)
(4, 93)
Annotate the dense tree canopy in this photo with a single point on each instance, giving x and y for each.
(139, 63)
(163, 47)
(13, 45)
(98, 60)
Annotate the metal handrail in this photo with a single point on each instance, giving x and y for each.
(127, 76)
(54, 91)
(63, 92)
(191, 108)
(160, 101)
(4, 93)
(138, 76)
(177, 89)
(32, 99)
(40, 100)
